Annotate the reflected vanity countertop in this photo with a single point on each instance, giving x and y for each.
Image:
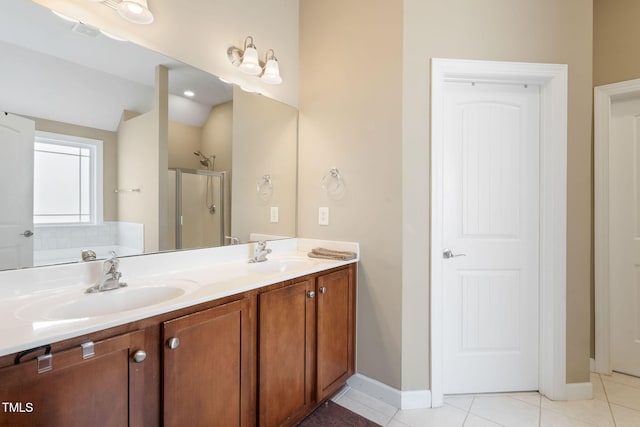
(44, 305)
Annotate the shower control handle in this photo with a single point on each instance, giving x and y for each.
(27, 233)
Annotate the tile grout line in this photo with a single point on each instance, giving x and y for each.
(540, 409)
(468, 411)
(606, 395)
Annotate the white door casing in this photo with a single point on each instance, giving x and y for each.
(552, 80)
(617, 227)
(16, 191)
(490, 214)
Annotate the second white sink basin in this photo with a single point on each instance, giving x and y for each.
(78, 305)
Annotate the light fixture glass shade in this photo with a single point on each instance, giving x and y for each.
(136, 11)
(272, 72)
(250, 63)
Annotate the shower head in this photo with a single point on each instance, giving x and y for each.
(204, 160)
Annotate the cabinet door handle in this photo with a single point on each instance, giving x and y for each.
(323, 290)
(139, 356)
(311, 294)
(173, 343)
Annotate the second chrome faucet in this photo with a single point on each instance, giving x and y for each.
(260, 252)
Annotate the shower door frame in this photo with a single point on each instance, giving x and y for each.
(179, 172)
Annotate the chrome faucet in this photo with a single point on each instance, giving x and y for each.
(110, 276)
(260, 252)
(232, 240)
(88, 255)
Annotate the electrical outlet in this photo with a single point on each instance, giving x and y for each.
(323, 216)
(274, 214)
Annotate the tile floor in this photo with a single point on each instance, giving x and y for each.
(616, 402)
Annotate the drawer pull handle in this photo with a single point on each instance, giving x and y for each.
(323, 290)
(311, 294)
(173, 343)
(139, 356)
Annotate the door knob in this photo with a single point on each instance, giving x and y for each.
(447, 253)
(323, 290)
(311, 294)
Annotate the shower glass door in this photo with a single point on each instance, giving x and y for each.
(198, 200)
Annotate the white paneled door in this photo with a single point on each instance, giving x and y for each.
(16, 191)
(624, 235)
(490, 234)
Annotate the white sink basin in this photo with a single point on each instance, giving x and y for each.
(78, 304)
(280, 265)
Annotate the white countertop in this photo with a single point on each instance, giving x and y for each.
(27, 297)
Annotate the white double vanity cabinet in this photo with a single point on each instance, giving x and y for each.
(223, 342)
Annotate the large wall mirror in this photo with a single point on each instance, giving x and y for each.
(106, 145)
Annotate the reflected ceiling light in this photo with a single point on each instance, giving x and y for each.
(225, 81)
(189, 93)
(136, 11)
(247, 61)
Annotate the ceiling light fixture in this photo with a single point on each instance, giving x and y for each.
(136, 11)
(247, 61)
(189, 93)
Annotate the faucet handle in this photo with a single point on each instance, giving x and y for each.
(111, 264)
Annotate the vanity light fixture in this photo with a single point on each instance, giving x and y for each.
(247, 61)
(271, 74)
(136, 11)
(250, 63)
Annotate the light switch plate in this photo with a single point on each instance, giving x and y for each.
(274, 214)
(323, 216)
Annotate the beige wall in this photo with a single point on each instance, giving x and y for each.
(364, 98)
(199, 32)
(217, 135)
(109, 167)
(349, 118)
(504, 30)
(264, 142)
(183, 140)
(615, 41)
(145, 137)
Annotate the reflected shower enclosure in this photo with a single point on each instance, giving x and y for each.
(196, 215)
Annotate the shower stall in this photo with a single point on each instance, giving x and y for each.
(196, 204)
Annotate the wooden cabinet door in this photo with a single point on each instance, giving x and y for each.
(97, 391)
(208, 376)
(286, 343)
(335, 330)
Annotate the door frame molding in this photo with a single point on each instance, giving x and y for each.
(553, 82)
(603, 98)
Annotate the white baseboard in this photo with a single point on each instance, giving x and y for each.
(400, 399)
(579, 391)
